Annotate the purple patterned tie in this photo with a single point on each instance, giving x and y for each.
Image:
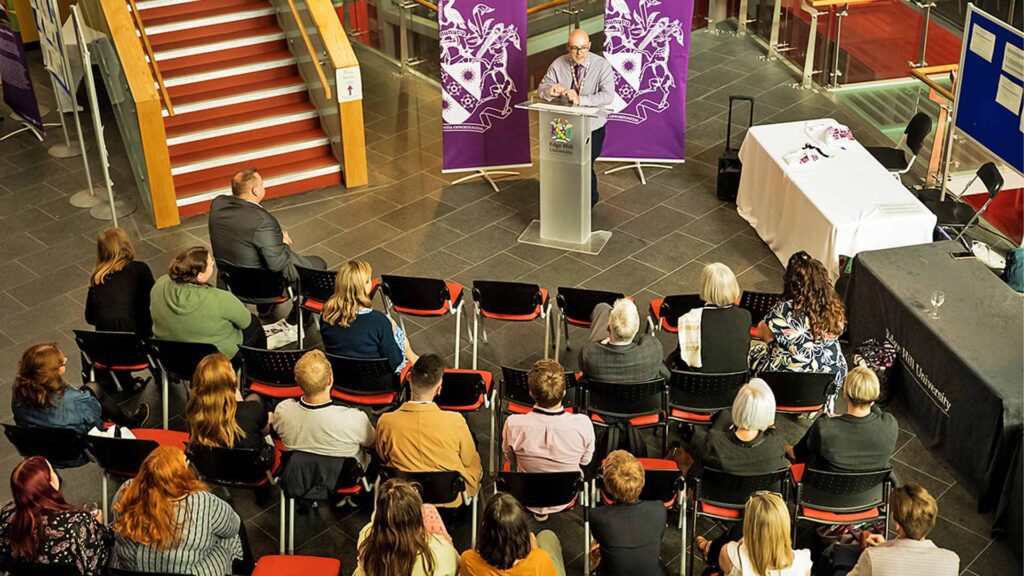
(577, 75)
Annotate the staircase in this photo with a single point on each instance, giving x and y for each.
(238, 101)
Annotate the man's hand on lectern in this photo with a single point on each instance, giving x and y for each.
(556, 91)
(573, 97)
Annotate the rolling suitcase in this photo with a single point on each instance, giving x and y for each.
(729, 165)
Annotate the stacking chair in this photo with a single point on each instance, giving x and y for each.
(35, 569)
(509, 302)
(549, 489)
(842, 497)
(278, 565)
(255, 285)
(512, 396)
(365, 382)
(664, 312)
(954, 214)
(723, 497)
(425, 297)
(178, 359)
(118, 457)
(575, 306)
(63, 447)
(642, 404)
(112, 352)
(799, 392)
(759, 304)
(439, 488)
(271, 373)
(695, 397)
(895, 158)
(314, 288)
(465, 390)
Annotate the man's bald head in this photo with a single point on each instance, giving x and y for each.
(579, 45)
(248, 184)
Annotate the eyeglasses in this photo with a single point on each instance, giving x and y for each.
(578, 48)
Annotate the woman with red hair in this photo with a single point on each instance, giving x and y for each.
(166, 521)
(39, 527)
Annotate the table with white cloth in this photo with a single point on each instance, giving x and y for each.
(839, 205)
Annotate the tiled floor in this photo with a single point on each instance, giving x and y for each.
(409, 220)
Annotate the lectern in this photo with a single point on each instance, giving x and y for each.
(564, 180)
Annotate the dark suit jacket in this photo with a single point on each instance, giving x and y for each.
(245, 234)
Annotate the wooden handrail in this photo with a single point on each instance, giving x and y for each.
(309, 48)
(547, 6)
(924, 75)
(152, 58)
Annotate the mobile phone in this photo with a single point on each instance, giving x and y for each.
(961, 255)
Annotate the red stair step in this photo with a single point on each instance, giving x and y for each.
(250, 79)
(267, 170)
(209, 33)
(230, 119)
(185, 8)
(159, 17)
(202, 118)
(224, 172)
(191, 64)
(241, 141)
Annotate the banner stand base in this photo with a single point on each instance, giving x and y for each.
(102, 211)
(486, 175)
(25, 127)
(639, 167)
(593, 245)
(84, 199)
(62, 150)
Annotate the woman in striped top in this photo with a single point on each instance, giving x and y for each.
(166, 521)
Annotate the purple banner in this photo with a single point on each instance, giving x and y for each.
(483, 77)
(17, 84)
(647, 42)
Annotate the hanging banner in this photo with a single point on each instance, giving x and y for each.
(17, 84)
(483, 77)
(647, 42)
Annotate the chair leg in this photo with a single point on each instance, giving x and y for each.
(547, 335)
(476, 334)
(458, 333)
(558, 337)
(291, 526)
(302, 332)
(586, 544)
(164, 385)
(281, 525)
(105, 505)
(682, 531)
(493, 443)
(472, 530)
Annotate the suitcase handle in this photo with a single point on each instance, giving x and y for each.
(728, 132)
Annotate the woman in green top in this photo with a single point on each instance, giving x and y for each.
(188, 309)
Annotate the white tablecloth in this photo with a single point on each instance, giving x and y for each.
(841, 205)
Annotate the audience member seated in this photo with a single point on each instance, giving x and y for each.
(420, 437)
(187, 308)
(217, 415)
(243, 233)
(404, 537)
(716, 337)
(911, 554)
(314, 424)
(41, 397)
(862, 440)
(166, 521)
(40, 527)
(119, 287)
(548, 439)
(629, 530)
(506, 547)
(802, 331)
(742, 440)
(350, 327)
(615, 353)
(763, 547)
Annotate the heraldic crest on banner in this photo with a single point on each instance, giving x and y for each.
(639, 44)
(477, 87)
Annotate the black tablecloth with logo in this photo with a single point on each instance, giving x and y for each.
(961, 377)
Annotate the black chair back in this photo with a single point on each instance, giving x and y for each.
(732, 491)
(991, 178)
(295, 481)
(180, 358)
(120, 572)
(233, 467)
(541, 489)
(917, 130)
(704, 392)
(843, 491)
(254, 285)
(112, 349)
(271, 367)
(759, 304)
(624, 400)
(798, 391)
(316, 284)
(415, 293)
(577, 304)
(363, 376)
(33, 569)
(460, 389)
(672, 307)
(63, 447)
(510, 298)
(119, 456)
(515, 387)
(434, 487)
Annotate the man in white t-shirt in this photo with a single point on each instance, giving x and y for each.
(314, 424)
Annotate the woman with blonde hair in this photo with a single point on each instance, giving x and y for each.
(351, 327)
(217, 415)
(715, 337)
(166, 521)
(765, 548)
(119, 287)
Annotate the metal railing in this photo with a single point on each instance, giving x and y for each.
(164, 96)
(309, 48)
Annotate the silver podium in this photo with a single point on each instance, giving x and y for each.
(564, 134)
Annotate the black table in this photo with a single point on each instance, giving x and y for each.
(961, 376)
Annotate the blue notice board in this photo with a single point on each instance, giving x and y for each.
(990, 85)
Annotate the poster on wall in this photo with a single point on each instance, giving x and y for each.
(19, 94)
(647, 43)
(483, 77)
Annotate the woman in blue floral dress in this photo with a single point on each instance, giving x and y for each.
(802, 331)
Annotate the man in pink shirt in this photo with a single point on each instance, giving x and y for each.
(547, 439)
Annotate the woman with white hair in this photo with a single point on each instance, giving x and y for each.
(716, 337)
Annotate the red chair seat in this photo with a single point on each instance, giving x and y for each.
(658, 464)
(366, 400)
(350, 490)
(753, 332)
(520, 317)
(162, 437)
(798, 409)
(313, 305)
(837, 517)
(272, 391)
(797, 470)
(297, 566)
(693, 416)
(720, 511)
(516, 408)
(454, 290)
(132, 368)
(635, 421)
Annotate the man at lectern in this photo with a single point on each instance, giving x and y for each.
(582, 79)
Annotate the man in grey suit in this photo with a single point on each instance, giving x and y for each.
(243, 233)
(615, 353)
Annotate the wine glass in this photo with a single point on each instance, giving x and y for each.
(938, 297)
